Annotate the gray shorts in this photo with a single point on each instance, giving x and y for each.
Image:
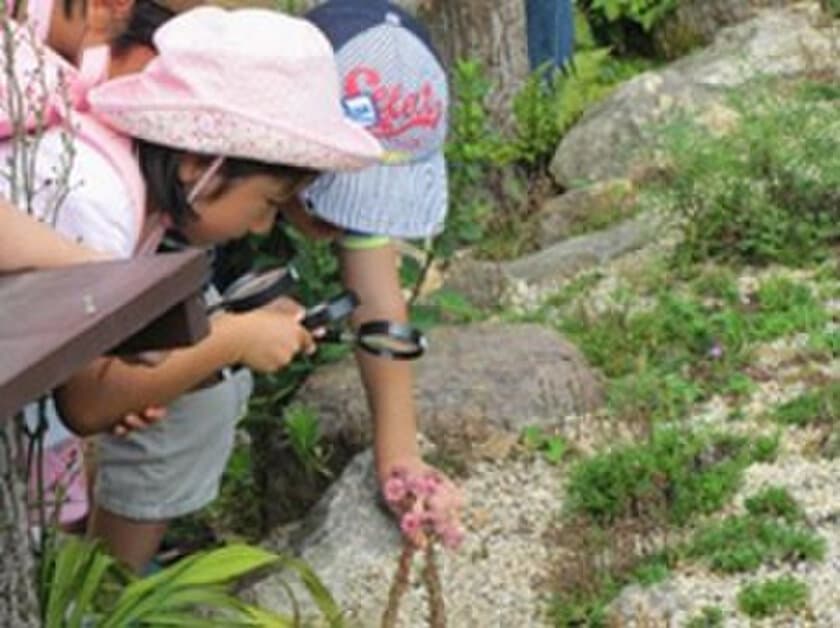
(173, 467)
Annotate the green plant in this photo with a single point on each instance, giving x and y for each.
(765, 192)
(472, 151)
(646, 13)
(545, 108)
(765, 448)
(86, 587)
(832, 6)
(821, 405)
(739, 544)
(652, 570)
(553, 447)
(774, 501)
(304, 433)
(709, 617)
(673, 477)
(771, 597)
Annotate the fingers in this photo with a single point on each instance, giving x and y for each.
(427, 504)
(289, 306)
(147, 358)
(139, 421)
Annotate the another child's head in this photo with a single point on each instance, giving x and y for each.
(237, 112)
(394, 85)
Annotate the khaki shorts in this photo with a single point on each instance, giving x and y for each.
(173, 467)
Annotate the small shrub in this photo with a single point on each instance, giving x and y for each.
(767, 192)
(771, 597)
(740, 544)
(304, 433)
(652, 570)
(674, 476)
(552, 447)
(774, 501)
(646, 13)
(765, 448)
(709, 617)
(814, 407)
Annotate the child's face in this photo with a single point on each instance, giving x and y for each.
(245, 205)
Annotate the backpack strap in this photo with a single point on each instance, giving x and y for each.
(60, 98)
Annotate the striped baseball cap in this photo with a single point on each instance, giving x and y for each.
(393, 84)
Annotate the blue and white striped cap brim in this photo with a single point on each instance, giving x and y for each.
(405, 201)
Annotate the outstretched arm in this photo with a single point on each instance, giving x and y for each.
(27, 243)
(372, 274)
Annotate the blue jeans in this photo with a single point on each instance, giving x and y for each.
(551, 32)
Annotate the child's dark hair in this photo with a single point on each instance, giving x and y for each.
(146, 17)
(159, 165)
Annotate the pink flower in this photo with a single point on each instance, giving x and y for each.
(423, 485)
(411, 523)
(395, 490)
(452, 537)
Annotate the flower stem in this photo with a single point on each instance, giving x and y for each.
(398, 586)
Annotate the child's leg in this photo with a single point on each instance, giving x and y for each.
(134, 543)
(173, 468)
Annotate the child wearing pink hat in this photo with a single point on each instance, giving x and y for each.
(237, 112)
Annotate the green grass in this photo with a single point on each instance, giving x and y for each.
(767, 192)
(687, 346)
(743, 543)
(821, 405)
(776, 502)
(677, 475)
(771, 597)
(709, 617)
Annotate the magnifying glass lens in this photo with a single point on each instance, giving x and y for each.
(391, 340)
(384, 343)
(253, 283)
(256, 289)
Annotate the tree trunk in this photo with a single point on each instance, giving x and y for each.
(18, 605)
(492, 32)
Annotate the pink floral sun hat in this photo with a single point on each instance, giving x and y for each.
(248, 83)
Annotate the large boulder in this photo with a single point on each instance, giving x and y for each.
(615, 137)
(584, 210)
(694, 23)
(562, 261)
(474, 379)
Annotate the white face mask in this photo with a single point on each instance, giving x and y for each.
(202, 182)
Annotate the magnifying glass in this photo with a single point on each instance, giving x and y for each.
(255, 289)
(385, 339)
(378, 337)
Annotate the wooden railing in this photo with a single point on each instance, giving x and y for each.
(54, 321)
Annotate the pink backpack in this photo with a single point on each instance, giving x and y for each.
(53, 92)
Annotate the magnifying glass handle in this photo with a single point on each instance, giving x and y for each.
(337, 336)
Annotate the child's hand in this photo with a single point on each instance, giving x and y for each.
(268, 338)
(139, 420)
(427, 503)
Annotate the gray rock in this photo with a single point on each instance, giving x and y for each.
(696, 22)
(483, 283)
(565, 215)
(568, 258)
(474, 381)
(345, 528)
(621, 129)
